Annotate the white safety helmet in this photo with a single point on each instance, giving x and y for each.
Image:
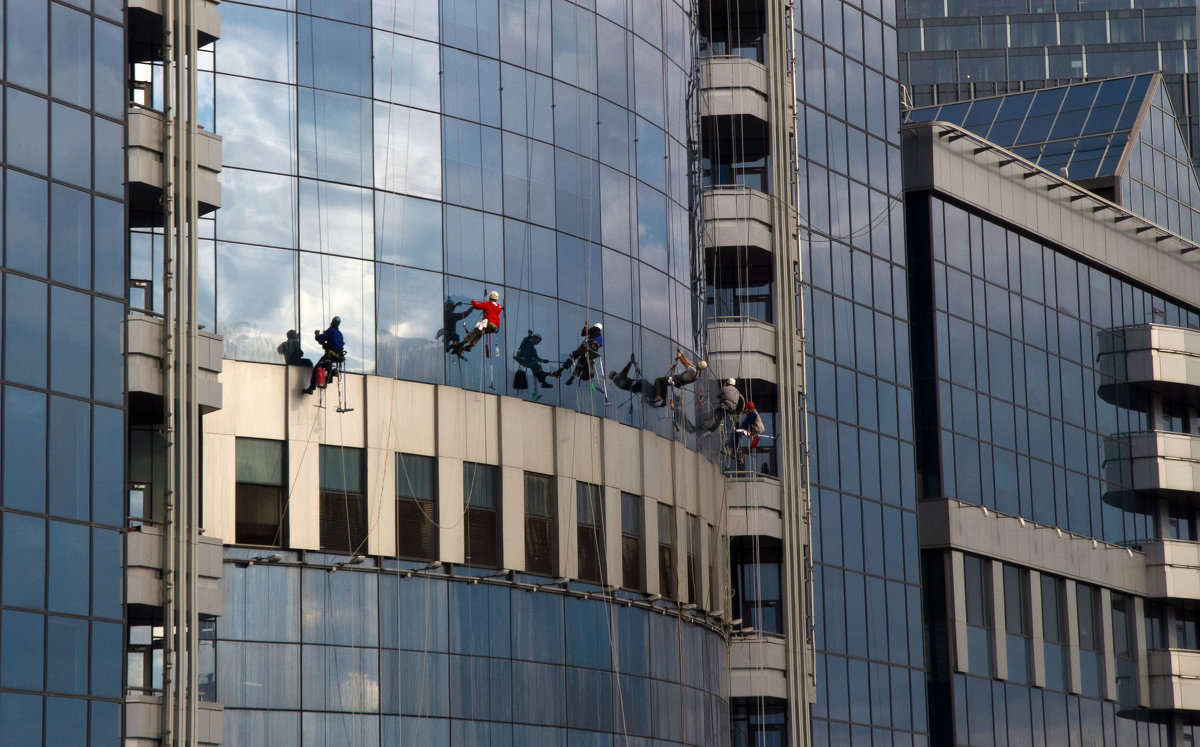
(702, 365)
(494, 295)
(730, 382)
(598, 326)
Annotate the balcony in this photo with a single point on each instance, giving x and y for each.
(1153, 463)
(144, 565)
(742, 348)
(143, 363)
(146, 22)
(757, 667)
(735, 215)
(1155, 357)
(1174, 679)
(732, 85)
(143, 722)
(1172, 569)
(754, 503)
(146, 177)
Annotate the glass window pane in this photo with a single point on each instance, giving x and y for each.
(25, 444)
(70, 342)
(259, 461)
(26, 220)
(341, 469)
(71, 156)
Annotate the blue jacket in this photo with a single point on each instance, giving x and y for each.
(331, 339)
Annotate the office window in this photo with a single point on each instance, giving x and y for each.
(1018, 626)
(590, 511)
(756, 564)
(1091, 646)
(416, 507)
(1181, 523)
(481, 491)
(541, 525)
(1156, 636)
(144, 659)
(978, 582)
(666, 550)
(1124, 648)
(693, 559)
(1054, 632)
(1187, 622)
(757, 721)
(259, 495)
(343, 515)
(633, 567)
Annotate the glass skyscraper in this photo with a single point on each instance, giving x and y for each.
(62, 509)
(867, 594)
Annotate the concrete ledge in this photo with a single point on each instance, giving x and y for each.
(143, 339)
(145, 156)
(754, 506)
(208, 19)
(1172, 569)
(736, 216)
(732, 85)
(1157, 462)
(743, 349)
(758, 668)
(1174, 679)
(144, 564)
(947, 523)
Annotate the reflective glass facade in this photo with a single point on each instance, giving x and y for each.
(1017, 414)
(870, 656)
(61, 606)
(964, 49)
(1010, 370)
(370, 657)
(390, 161)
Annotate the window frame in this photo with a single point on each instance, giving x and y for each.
(425, 508)
(250, 491)
(543, 524)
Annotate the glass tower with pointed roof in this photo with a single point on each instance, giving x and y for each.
(954, 50)
(1116, 137)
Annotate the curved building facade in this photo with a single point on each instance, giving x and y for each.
(447, 545)
(388, 162)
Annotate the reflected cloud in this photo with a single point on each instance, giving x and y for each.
(408, 151)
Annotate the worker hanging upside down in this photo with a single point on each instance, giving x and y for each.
(334, 345)
(489, 324)
(688, 375)
(527, 356)
(730, 401)
(582, 361)
(634, 385)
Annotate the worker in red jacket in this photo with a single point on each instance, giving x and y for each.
(489, 324)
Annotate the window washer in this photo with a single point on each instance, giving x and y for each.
(290, 349)
(489, 324)
(582, 360)
(730, 401)
(334, 345)
(451, 316)
(527, 356)
(751, 425)
(688, 375)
